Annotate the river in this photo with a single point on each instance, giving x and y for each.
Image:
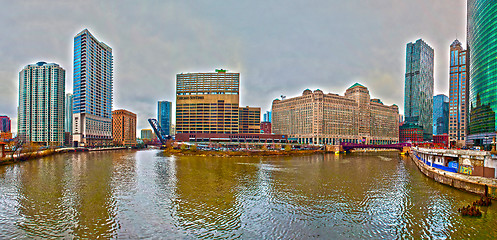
(144, 194)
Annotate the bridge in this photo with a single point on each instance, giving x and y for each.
(399, 146)
(158, 132)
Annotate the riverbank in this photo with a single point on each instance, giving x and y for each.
(247, 153)
(39, 154)
(473, 184)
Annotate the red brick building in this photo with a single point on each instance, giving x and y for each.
(441, 140)
(266, 127)
(410, 132)
(123, 127)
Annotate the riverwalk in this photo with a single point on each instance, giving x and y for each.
(423, 158)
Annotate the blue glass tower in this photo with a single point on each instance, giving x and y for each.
(418, 96)
(93, 84)
(164, 113)
(440, 114)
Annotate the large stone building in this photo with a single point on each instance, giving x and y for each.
(41, 104)
(93, 87)
(418, 96)
(318, 118)
(482, 64)
(123, 127)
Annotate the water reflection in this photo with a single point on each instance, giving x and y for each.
(144, 194)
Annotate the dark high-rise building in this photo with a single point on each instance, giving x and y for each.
(440, 114)
(249, 119)
(482, 48)
(458, 93)
(164, 113)
(4, 124)
(418, 97)
(92, 100)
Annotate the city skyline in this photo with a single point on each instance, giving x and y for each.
(237, 40)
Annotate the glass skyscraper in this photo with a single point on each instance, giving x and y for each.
(41, 104)
(458, 94)
(68, 113)
(418, 96)
(92, 103)
(440, 114)
(164, 114)
(482, 47)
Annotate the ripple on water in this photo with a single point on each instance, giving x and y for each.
(129, 194)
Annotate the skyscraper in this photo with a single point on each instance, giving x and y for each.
(68, 113)
(4, 124)
(41, 104)
(207, 102)
(93, 84)
(418, 96)
(440, 114)
(482, 25)
(267, 116)
(164, 113)
(458, 93)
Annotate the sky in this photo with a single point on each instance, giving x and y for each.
(279, 47)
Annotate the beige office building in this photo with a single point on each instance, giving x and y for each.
(318, 118)
(207, 102)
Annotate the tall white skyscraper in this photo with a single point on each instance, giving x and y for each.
(41, 104)
(93, 84)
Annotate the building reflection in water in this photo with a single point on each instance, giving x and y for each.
(63, 197)
(206, 196)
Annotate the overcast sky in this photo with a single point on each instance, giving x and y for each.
(279, 47)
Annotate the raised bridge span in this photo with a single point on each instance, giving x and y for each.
(398, 146)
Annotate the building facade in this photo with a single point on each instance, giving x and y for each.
(267, 116)
(482, 55)
(266, 127)
(93, 88)
(318, 118)
(207, 102)
(440, 114)
(68, 119)
(147, 135)
(5, 124)
(458, 93)
(418, 95)
(123, 127)
(441, 140)
(410, 132)
(249, 119)
(68, 113)
(164, 114)
(41, 104)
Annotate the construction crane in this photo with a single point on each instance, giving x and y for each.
(157, 129)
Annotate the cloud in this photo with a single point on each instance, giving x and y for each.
(279, 47)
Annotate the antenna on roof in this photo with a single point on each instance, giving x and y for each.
(283, 97)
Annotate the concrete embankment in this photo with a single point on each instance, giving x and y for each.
(39, 154)
(474, 184)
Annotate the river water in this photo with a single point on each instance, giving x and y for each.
(144, 194)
